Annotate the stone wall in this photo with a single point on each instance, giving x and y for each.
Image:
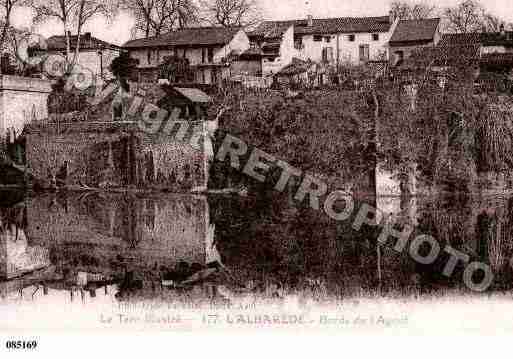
(22, 99)
(114, 155)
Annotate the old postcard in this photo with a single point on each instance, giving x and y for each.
(227, 166)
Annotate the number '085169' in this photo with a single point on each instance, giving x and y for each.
(21, 345)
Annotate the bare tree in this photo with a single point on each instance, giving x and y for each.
(231, 12)
(465, 17)
(142, 11)
(412, 10)
(471, 16)
(155, 17)
(7, 7)
(87, 9)
(73, 15)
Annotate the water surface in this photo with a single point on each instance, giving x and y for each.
(98, 253)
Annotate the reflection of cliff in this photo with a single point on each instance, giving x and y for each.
(152, 230)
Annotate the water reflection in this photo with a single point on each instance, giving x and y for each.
(91, 247)
(86, 243)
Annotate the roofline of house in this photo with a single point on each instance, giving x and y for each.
(348, 32)
(238, 28)
(327, 18)
(411, 42)
(170, 47)
(73, 48)
(84, 41)
(419, 20)
(292, 22)
(262, 36)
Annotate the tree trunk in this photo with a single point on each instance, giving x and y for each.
(68, 46)
(79, 30)
(4, 32)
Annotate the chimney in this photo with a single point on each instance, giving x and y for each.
(503, 29)
(69, 34)
(309, 20)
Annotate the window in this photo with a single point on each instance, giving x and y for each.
(327, 54)
(148, 57)
(210, 55)
(364, 53)
(351, 37)
(298, 43)
(317, 38)
(327, 39)
(203, 55)
(375, 37)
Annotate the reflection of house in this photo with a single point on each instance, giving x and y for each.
(206, 49)
(95, 55)
(410, 35)
(331, 41)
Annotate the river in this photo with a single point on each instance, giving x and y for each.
(78, 253)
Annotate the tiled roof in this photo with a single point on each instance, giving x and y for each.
(194, 95)
(87, 42)
(201, 36)
(251, 53)
(415, 30)
(274, 29)
(271, 48)
(460, 39)
(297, 66)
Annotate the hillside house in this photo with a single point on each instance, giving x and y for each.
(495, 48)
(333, 42)
(206, 49)
(411, 35)
(94, 54)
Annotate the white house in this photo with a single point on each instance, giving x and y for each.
(94, 54)
(334, 41)
(206, 49)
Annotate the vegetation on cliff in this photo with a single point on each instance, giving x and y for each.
(450, 132)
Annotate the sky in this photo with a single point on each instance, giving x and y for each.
(118, 32)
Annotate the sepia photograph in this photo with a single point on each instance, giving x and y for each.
(255, 166)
